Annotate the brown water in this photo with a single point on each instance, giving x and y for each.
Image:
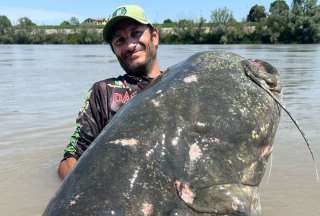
(41, 90)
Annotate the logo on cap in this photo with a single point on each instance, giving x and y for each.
(120, 12)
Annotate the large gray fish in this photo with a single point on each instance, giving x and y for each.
(194, 143)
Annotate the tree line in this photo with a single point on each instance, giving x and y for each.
(297, 23)
(68, 32)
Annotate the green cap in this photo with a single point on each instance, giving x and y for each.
(134, 12)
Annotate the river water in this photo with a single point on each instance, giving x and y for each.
(42, 88)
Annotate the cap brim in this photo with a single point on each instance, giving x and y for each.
(107, 30)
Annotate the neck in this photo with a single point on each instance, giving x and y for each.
(154, 70)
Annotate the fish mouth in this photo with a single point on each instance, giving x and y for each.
(224, 199)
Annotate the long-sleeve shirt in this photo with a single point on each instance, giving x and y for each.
(101, 103)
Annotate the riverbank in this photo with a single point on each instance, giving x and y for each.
(185, 33)
(281, 24)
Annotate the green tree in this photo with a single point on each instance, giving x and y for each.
(306, 30)
(38, 36)
(256, 13)
(278, 22)
(88, 35)
(65, 24)
(74, 21)
(304, 19)
(304, 7)
(317, 15)
(262, 33)
(25, 23)
(297, 7)
(5, 30)
(221, 16)
(199, 33)
(279, 8)
(57, 38)
(310, 7)
(24, 31)
(5, 25)
(184, 29)
(167, 21)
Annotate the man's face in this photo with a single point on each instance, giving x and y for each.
(135, 46)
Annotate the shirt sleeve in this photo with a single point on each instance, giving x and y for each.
(91, 120)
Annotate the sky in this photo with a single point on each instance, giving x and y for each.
(47, 12)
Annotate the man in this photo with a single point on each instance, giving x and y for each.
(134, 41)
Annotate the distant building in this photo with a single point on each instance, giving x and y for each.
(93, 21)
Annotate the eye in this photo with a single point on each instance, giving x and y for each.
(136, 33)
(118, 41)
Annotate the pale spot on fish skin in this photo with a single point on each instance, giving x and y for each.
(200, 124)
(185, 192)
(155, 103)
(134, 177)
(217, 140)
(243, 110)
(221, 187)
(126, 195)
(247, 172)
(147, 208)
(255, 204)
(203, 140)
(236, 204)
(148, 153)
(232, 111)
(74, 201)
(125, 142)
(266, 151)
(151, 151)
(204, 146)
(190, 79)
(264, 128)
(214, 140)
(163, 138)
(175, 141)
(195, 152)
(163, 148)
(254, 134)
(240, 159)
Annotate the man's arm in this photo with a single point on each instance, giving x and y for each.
(66, 166)
(90, 122)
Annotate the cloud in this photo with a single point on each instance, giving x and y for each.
(39, 16)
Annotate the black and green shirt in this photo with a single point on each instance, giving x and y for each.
(101, 103)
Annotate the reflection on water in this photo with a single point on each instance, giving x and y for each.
(41, 90)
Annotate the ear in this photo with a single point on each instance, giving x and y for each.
(155, 37)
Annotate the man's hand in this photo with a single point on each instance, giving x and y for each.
(66, 166)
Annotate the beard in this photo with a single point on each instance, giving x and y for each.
(141, 69)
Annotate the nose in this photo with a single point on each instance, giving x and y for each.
(131, 45)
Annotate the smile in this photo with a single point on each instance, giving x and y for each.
(135, 54)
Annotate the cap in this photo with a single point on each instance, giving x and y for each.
(134, 12)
